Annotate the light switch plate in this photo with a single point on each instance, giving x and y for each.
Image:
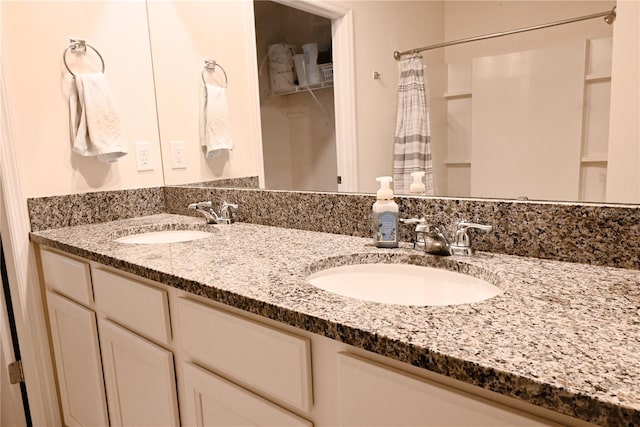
(178, 155)
(144, 160)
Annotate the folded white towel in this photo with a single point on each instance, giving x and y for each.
(95, 126)
(215, 127)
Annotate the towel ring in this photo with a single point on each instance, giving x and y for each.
(210, 65)
(79, 46)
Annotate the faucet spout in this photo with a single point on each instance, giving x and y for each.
(428, 238)
(205, 209)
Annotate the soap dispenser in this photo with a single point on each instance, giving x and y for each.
(417, 186)
(385, 216)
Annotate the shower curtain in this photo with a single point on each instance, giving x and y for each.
(412, 147)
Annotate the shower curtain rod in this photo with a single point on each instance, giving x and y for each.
(609, 17)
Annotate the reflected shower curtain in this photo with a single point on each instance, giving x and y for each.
(412, 147)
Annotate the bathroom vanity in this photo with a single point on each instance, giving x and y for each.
(225, 330)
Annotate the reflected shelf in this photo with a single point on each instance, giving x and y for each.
(594, 159)
(457, 94)
(299, 89)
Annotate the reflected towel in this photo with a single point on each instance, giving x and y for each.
(95, 127)
(215, 128)
(412, 146)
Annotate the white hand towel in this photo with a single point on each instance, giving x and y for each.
(95, 126)
(215, 127)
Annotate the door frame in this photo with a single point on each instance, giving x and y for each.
(12, 396)
(24, 282)
(344, 87)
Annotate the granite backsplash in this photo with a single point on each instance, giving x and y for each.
(607, 235)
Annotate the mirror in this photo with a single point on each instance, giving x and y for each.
(183, 33)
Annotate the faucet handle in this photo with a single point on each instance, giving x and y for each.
(410, 221)
(225, 211)
(462, 240)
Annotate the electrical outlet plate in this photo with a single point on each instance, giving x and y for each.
(178, 155)
(144, 160)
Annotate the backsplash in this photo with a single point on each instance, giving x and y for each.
(90, 208)
(246, 182)
(588, 233)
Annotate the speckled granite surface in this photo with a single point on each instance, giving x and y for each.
(246, 182)
(607, 235)
(563, 336)
(90, 208)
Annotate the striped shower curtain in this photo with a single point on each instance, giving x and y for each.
(412, 148)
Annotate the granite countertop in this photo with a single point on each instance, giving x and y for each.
(563, 336)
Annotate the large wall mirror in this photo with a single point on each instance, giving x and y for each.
(525, 115)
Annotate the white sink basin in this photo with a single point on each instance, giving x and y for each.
(166, 236)
(403, 284)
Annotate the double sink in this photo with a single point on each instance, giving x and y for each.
(381, 282)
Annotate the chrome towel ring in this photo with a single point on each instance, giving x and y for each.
(78, 46)
(210, 65)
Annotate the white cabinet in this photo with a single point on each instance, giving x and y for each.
(77, 354)
(213, 401)
(109, 375)
(271, 360)
(135, 338)
(139, 377)
(373, 394)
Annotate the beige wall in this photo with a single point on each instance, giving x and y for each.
(473, 18)
(34, 36)
(183, 34)
(377, 36)
(623, 178)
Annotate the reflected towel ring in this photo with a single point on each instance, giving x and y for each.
(79, 46)
(210, 65)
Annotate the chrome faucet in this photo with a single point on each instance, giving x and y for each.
(428, 238)
(206, 210)
(431, 239)
(462, 240)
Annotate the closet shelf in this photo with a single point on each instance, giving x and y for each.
(299, 89)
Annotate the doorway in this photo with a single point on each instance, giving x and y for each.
(298, 119)
(14, 406)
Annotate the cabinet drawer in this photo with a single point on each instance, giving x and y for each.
(273, 361)
(213, 401)
(67, 276)
(138, 306)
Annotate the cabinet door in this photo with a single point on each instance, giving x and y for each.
(213, 401)
(372, 394)
(139, 377)
(75, 345)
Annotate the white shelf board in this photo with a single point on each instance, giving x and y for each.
(457, 94)
(597, 76)
(594, 159)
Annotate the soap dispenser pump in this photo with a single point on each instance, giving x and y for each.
(385, 216)
(417, 186)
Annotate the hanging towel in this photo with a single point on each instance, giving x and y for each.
(215, 129)
(94, 125)
(412, 147)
